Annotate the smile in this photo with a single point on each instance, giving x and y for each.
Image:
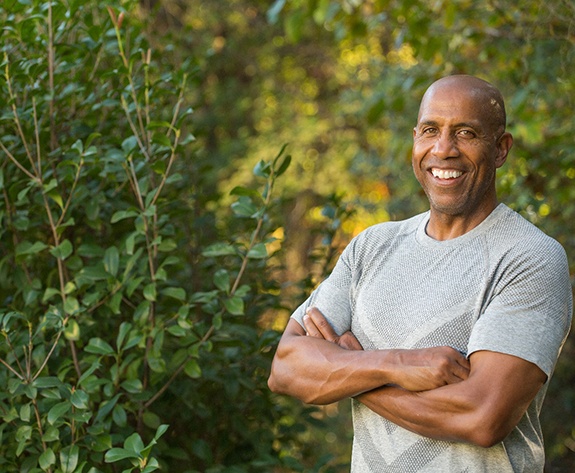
(445, 173)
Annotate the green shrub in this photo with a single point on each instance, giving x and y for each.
(129, 318)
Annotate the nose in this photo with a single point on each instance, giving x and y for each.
(445, 146)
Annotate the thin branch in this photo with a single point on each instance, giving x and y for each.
(12, 370)
(17, 118)
(14, 352)
(49, 355)
(51, 62)
(134, 129)
(71, 194)
(17, 163)
(37, 133)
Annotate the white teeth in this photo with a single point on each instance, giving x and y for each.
(446, 174)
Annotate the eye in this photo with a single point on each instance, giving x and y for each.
(466, 133)
(429, 130)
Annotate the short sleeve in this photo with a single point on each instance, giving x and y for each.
(332, 296)
(530, 313)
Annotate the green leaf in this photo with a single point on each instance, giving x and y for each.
(161, 139)
(219, 249)
(106, 407)
(234, 305)
(162, 429)
(262, 169)
(80, 399)
(56, 197)
(134, 444)
(150, 292)
(123, 214)
(284, 164)
(25, 413)
(27, 248)
(132, 386)
(117, 454)
(114, 302)
(98, 346)
(125, 328)
(142, 311)
(51, 434)
(69, 458)
(47, 382)
(129, 144)
(101, 443)
(246, 191)
(192, 369)
(58, 410)
(63, 250)
(86, 374)
(51, 185)
(119, 416)
(78, 146)
(258, 251)
(177, 331)
(72, 330)
(175, 292)
(47, 459)
(71, 305)
(151, 466)
(244, 207)
(112, 260)
(49, 293)
(222, 280)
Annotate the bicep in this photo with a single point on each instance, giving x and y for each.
(503, 385)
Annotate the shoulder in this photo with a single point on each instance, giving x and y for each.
(390, 230)
(515, 236)
(385, 233)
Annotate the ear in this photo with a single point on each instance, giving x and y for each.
(504, 144)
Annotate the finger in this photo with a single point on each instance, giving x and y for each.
(461, 372)
(349, 341)
(322, 324)
(310, 327)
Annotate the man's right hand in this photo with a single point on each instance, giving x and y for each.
(429, 368)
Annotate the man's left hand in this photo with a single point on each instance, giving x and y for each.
(316, 325)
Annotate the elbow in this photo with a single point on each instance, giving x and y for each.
(487, 433)
(274, 384)
(287, 385)
(486, 438)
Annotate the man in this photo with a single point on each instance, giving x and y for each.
(444, 328)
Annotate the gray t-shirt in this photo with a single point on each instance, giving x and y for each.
(504, 287)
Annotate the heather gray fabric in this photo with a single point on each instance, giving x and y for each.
(504, 287)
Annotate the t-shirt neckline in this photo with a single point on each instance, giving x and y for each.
(424, 239)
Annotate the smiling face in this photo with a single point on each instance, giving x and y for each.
(458, 144)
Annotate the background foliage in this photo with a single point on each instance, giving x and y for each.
(150, 258)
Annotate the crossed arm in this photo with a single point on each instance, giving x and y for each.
(435, 392)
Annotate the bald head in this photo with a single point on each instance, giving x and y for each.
(486, 97)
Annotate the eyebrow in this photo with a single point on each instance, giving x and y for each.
(456, 125)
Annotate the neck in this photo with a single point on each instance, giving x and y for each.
(442, 226)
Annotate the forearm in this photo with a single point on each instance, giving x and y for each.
(320, 372)
(445, 413)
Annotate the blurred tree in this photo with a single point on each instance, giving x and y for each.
(340, 81)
